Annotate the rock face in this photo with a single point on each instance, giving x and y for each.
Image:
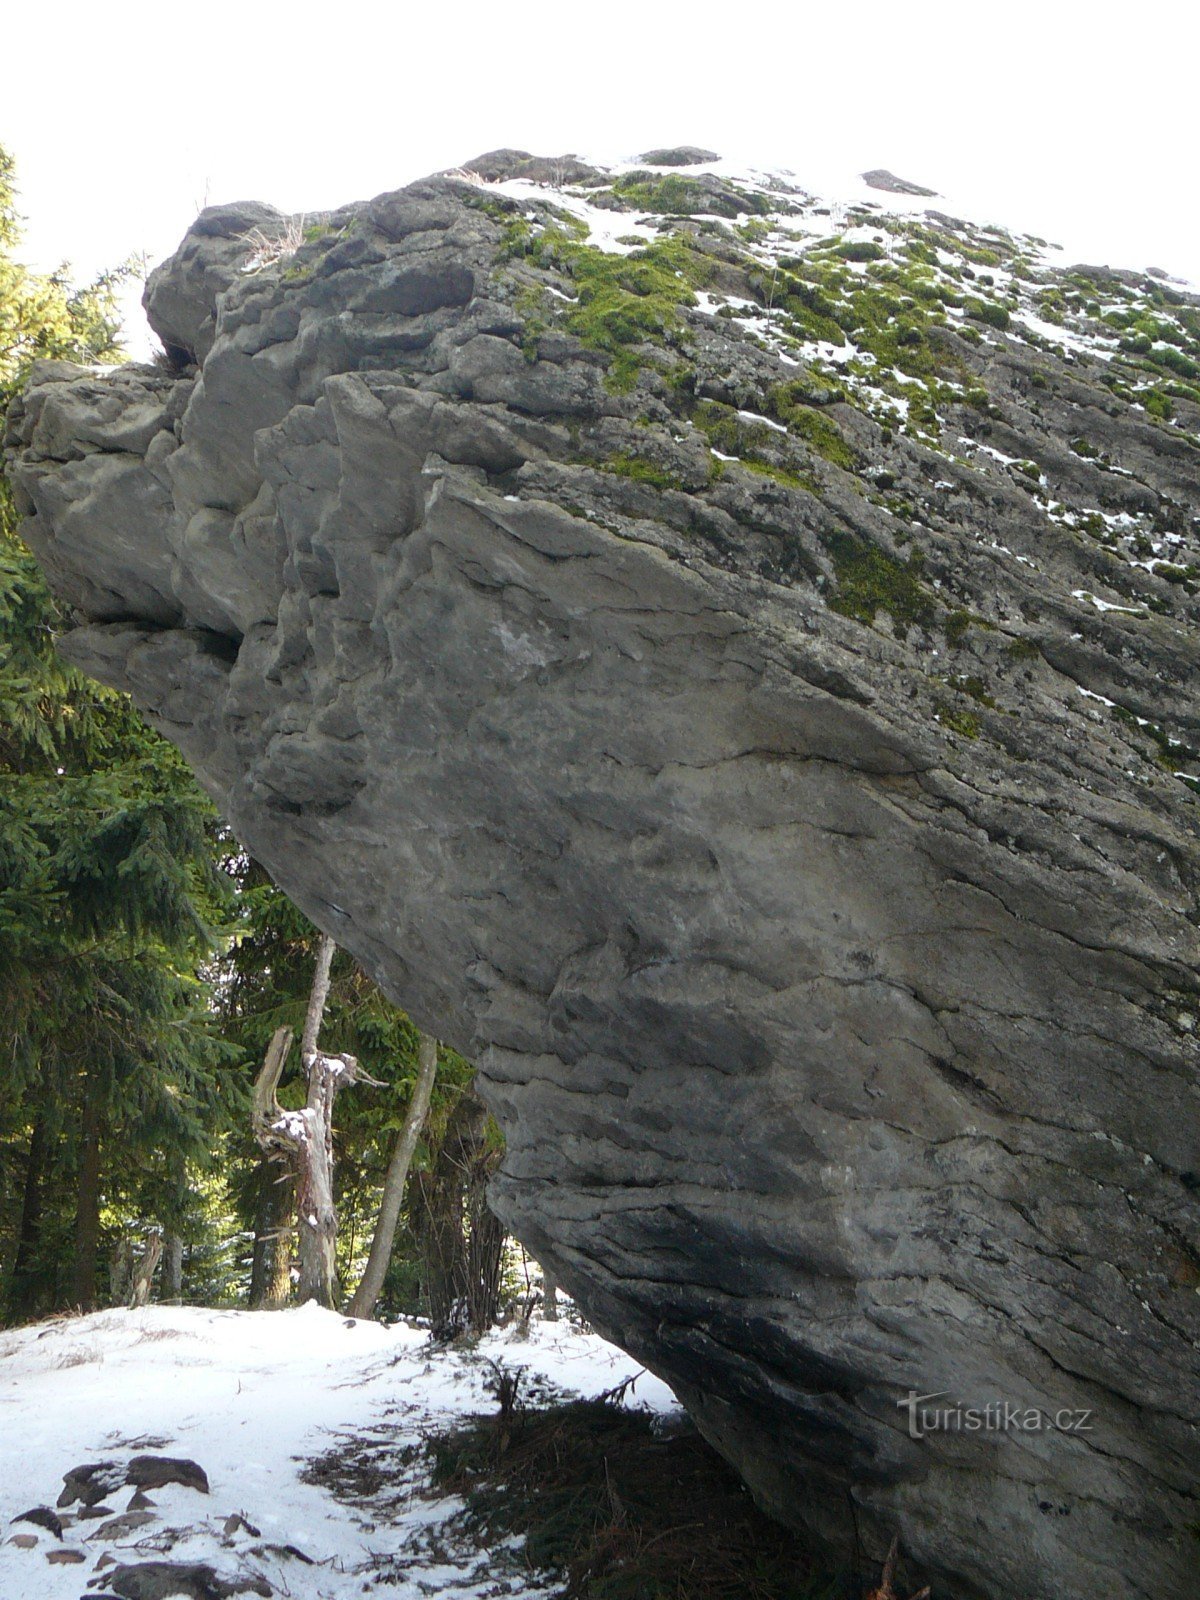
(738, 686)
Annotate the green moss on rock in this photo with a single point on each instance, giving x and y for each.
(818, 431)
(676, 195)
(622, 302)
(639, 470)
(870, 580)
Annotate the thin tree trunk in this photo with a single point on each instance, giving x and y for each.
(485, 1247)
(279, 1271)
(171, 1287)
(274, 1223)
(317, 996)
(23, 1295)
(143, 1273)
(367, 1293)
(549, 1296)
(461, 1241)
(87, 1205)
(260, 1257)
(316, 1214)
(120, 1271)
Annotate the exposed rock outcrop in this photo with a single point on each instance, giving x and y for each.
(739, 688)
(680, 155)
(881, 178)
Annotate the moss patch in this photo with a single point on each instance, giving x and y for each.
(675, 195)
(955, 627)
(988, 312)
(621, 303)
(870, 580)
(817, 430)
(1022, 650)
(640, 470)
(757, 446)
(860, 250)
(965, 723)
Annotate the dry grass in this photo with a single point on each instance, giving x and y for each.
(83, 1355)
(465, 175)
(268, 248)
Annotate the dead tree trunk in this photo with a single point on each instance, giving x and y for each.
(367, 1293)
(317, 997)
(305, 1138)
(139, 1291)
(120, 1271)
(317, 1215)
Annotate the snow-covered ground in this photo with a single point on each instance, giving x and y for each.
(254, 1398)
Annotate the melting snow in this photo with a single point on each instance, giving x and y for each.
(618, 232)
(1105, 605)
(253, 1397)
(753, 416)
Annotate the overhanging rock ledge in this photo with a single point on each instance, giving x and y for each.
(791, 813)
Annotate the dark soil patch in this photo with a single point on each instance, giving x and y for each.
(356, 1470)
(620, 1509)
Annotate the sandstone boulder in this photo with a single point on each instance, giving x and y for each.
(790, 806)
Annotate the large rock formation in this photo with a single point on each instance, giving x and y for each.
(735, 681)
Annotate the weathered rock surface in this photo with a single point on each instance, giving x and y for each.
(156, 1472)
(43, 1517)
(89, 1484)
(881, 178)
(778, 776)
(162, 1580)
(680, 155)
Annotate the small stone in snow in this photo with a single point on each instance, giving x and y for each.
(90, 1483)
(117, 1527)
(155, 1580)
(283, 1550)
(43, 1517)
(155, 1472)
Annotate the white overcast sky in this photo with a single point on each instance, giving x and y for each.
(1050, 118)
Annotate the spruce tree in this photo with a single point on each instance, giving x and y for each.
(111, 1077)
